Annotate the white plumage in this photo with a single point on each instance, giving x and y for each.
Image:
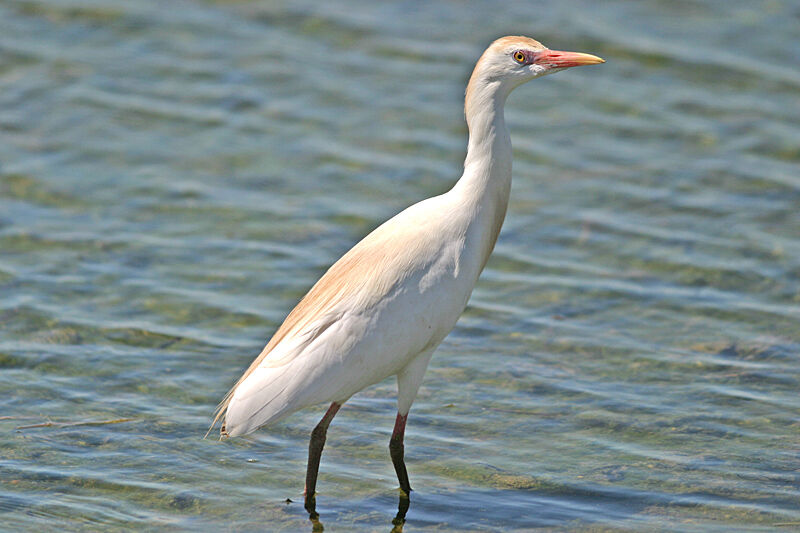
(408, 281)
(382, 309)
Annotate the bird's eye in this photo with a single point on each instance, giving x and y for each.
(519, 56)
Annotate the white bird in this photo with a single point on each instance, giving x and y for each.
(383, 308)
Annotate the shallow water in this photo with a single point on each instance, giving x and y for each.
(173, 179)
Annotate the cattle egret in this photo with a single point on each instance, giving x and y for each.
(383, 308)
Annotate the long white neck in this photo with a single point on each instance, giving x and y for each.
(486, 182)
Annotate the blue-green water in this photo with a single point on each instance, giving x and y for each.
(174, 176)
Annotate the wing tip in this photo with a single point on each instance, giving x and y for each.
(219, 413)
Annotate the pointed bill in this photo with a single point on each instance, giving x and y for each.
(559, 59)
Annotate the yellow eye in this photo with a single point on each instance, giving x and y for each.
(519, 57)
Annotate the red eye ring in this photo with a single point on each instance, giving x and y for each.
(519, 56)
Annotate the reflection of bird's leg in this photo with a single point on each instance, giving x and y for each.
(396, 451)
(402, 508)
(315, 454)
(316, 525)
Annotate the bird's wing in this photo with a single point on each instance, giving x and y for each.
(361, 278)
(279, 385)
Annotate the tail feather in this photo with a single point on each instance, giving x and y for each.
(219, 413)
(283, 356)
(222, 409)
(265, 397)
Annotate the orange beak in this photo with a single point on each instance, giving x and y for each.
(557, 59)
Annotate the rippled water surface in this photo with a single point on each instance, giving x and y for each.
(174, 176)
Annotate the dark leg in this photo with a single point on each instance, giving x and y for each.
(396, 451)
(315, 454)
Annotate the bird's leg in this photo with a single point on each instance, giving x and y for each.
(396, 450)
(315, 454)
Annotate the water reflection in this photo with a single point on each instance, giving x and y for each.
(402, 508)
(316, 525)
(399, 520)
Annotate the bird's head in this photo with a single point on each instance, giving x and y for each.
(514, 60)
(518, 59)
